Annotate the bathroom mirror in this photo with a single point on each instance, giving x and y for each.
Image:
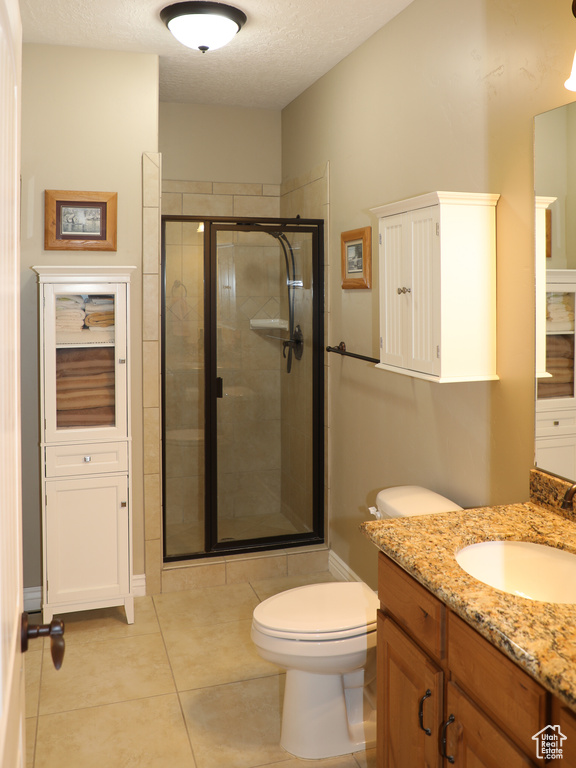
(555, 200)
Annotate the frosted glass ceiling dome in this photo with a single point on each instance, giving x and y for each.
(203, 25)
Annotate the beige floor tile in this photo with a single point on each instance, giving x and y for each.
(32, 667)
(236, 725)
(30, 725)
(215, 655)
(106, 672)
(211, 605)
(345, 761)
(265, 588)
(149, 733)
(366, 759)
(108, 623)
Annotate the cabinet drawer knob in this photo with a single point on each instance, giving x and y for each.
(556, 423)
(123, 504)
(87, 459)
(427, 731)
(448, 722)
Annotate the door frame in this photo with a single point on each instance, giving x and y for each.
(212, 225)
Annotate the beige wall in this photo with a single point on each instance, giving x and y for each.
(87, 117)
(443, 98)
(220, 144)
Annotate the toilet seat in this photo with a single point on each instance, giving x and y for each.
(319, 612)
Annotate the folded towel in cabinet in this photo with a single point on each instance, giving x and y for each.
(86, 417)
(85, 398)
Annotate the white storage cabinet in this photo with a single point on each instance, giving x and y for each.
(556, 390)
(85, 439)
(437, 258)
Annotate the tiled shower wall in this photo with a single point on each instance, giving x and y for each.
(307, 197)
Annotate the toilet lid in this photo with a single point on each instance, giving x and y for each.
(336, 609)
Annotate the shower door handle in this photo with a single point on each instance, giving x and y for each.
(219, 387)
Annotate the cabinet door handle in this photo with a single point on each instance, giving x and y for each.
(448, 722)
(427, 731)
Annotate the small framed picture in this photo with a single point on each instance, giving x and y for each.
(357, 258)
(79, 221)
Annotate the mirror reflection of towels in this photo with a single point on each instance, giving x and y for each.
(179, 309)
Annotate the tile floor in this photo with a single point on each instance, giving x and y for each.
(182, 687)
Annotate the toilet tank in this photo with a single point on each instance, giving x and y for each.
(410, 500)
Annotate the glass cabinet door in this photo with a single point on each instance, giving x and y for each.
(85, 362)
(559, 381)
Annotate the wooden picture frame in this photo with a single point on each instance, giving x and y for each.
(80, 221)
(356, 246)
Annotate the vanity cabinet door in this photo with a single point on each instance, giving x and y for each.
(410, 697)
(565, 720)
(472, 740)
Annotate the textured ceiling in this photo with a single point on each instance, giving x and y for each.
(284, 47)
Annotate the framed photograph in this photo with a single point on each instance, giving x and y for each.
(357, 258)
(79, 221)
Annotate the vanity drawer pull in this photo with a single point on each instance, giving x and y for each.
(427, 731)
(556, 423)
(448, 722)
(87, 458)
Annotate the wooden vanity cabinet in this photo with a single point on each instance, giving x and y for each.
(410, 684)
(444, 691)
(566, 719)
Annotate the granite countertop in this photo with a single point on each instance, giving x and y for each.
(540, 637)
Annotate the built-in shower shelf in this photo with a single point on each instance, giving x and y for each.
(269, 323)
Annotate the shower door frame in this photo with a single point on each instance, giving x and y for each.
(212, 225)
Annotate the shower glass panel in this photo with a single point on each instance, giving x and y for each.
(264, 414)
(242, 385)
(183, 388)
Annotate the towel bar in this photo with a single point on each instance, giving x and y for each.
(341, 350)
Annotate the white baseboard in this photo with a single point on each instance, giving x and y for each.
(139, 584)
(340, 570)
(33, 595)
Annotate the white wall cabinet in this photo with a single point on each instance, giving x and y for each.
(85, 443)
(437, 259)
(556, 389)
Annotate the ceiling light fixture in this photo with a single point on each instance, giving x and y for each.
(203, 25)
(570, 84)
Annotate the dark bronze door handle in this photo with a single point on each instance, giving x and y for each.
(54, 630)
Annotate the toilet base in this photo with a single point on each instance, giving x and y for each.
(325, 728)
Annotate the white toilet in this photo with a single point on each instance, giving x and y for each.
(324, 635)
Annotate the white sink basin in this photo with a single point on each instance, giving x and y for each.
(534, 571)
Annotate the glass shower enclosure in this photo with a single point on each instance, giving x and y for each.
(242, 385)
